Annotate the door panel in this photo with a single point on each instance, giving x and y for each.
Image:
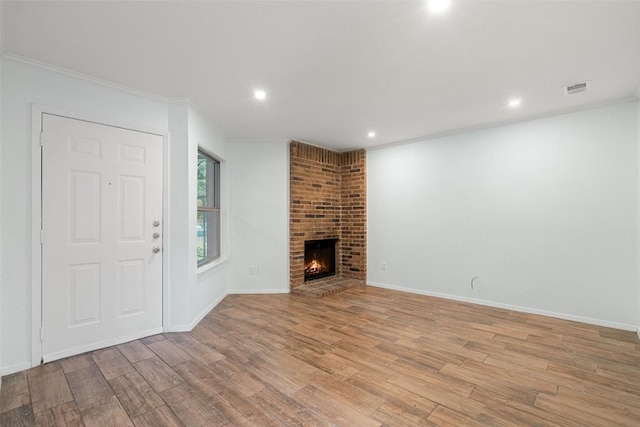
(131, 205)
(84, 294)
(85, 196)
(130, 287)
(101, 196)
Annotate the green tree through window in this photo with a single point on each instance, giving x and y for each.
(208, 221)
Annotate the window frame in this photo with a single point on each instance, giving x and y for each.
(212, 209)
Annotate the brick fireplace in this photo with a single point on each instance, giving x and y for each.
(328, 201)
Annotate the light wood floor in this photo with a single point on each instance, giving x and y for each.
(364, 357)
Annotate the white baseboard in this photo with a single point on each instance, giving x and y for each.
(564, 316)
(179, 328)
(258, 291)
(206, 311)
(189, 327)
(638, 332)
(12, 369)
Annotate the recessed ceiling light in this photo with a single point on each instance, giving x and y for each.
(371, 134)
(514, 103)
(438, 6)
(260, 95)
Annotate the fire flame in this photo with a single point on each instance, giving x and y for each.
(313, 267)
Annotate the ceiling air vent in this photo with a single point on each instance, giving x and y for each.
(576, 88)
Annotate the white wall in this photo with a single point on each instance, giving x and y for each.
(180, 272)
(543, 212)
(638, 211)
(194, 292)
(1, 53)
(211, 283)
(190, 294)
(260, 216)
(22, 86)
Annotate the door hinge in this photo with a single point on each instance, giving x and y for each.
(41, 139)
(41, 237)
(41, 334)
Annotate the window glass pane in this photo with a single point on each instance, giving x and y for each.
(208, 232)
(205, 181)
(215, 187)
(208, 222)
(201, 238)
(213, 247)
(208, 181)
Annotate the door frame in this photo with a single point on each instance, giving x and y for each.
(37, 112)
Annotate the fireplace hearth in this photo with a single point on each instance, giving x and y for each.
(319, 258)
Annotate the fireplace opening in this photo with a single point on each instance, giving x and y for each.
(319, 258)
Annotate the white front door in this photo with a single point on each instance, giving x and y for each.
(102, 235)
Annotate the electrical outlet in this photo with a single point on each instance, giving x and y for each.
(256, 270)
(383, 266)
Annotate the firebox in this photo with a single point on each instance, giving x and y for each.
(319, 258)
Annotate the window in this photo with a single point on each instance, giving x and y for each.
(208, 226)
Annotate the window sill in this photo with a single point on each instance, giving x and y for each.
(212, 264)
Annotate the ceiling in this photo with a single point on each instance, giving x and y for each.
(335, 70)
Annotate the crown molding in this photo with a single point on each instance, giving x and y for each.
(81, 76)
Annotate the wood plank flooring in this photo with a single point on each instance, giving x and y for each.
(365, 357)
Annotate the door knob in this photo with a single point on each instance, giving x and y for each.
(156, 223)
(155, 250)
(156, 235)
